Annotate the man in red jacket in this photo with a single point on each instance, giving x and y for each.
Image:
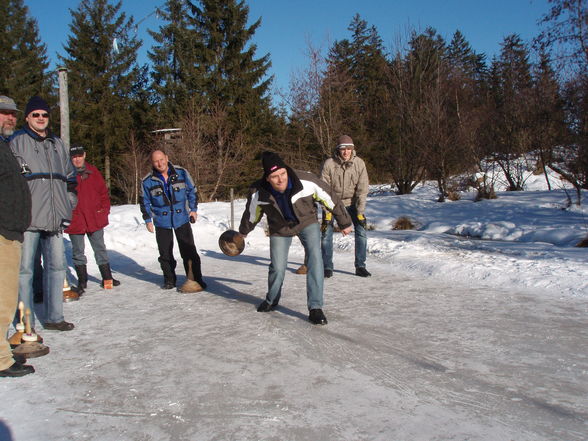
(89, 218)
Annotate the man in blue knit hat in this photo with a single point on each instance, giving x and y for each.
(45, 163)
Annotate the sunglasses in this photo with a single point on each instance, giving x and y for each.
(40, 115)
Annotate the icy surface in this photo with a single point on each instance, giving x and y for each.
(481, 337)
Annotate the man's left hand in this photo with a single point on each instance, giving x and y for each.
(193, 216)
(362, 220)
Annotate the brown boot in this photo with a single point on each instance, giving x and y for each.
(70, 296)
(302, 270)
(107, 280)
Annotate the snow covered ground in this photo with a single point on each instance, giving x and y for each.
(453, 338)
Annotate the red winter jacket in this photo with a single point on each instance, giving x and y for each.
(91, 212)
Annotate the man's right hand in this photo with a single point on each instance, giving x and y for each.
(150, 227)
(346, 231)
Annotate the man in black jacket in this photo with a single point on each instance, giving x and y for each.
(15, 218)
(287, 197)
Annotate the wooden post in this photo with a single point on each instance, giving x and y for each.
(232, 210)
(64, 105)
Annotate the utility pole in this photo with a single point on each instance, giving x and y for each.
(64, 105)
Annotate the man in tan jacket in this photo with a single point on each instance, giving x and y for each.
(346, 173)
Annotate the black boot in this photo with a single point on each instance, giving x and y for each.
(107, 274)
(317, 317)
(266, 307)
(17, 370)
(82, 273)
(169, 282)
(169, 273)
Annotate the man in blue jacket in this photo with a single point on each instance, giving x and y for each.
(169, 203)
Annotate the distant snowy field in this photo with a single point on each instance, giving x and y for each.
(521, 239)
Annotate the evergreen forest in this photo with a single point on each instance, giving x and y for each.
(428, 108)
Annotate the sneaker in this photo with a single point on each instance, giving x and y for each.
(266, 307)
(362, 272)
(328, 273)
(168, 284)
(17, 370)
(61, 326)
(317, 317)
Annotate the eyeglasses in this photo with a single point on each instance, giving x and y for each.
(40, 115)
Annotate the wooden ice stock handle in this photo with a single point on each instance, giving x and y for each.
(28, 321)
(21, 312)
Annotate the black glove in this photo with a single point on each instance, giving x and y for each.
(362, 220)
(65, 223)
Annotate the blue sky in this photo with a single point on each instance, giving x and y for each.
(288, 26)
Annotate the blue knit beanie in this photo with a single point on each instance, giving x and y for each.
(36, 103)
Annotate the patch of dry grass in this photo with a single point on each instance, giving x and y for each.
(403, 223)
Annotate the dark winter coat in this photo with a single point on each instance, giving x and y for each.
(168, 210)
(307, 190)
(15, 216)
(50, 176)
(91, 212)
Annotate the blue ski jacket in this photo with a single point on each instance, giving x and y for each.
(168, 204)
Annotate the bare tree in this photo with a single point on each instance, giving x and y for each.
(320, 96)
(566, 32)
(213, 149)
(129, 170)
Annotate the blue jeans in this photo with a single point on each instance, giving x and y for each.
(53, 251)
(78, 243)
(310, 237)
(360, 242)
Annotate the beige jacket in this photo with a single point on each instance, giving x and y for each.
(349, 180)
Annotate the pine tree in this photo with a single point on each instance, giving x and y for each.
(461, 56)
(174, 62)
(219, 89)
(511, 89)
(22, 55)
(548, 124)
(418, 92)
(101, 61)
(228, 71)
(359, 65)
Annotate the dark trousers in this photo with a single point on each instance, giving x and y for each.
(165, 244)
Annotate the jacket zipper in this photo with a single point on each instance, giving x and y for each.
(50, 184)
